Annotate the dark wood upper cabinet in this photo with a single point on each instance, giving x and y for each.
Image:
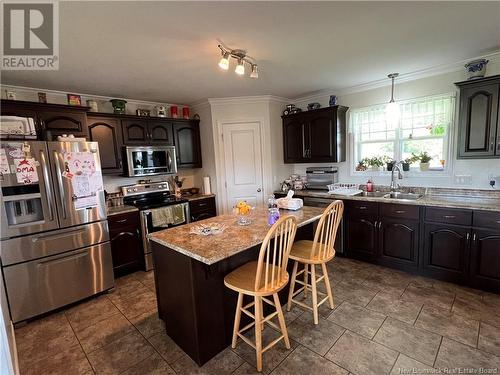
(479, 129)
(160, 132)
(135, 131)
(107, 131)
(485, 259)
(315, 136)
(51, 120)
(187, 144)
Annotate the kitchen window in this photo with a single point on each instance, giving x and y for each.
(423, 125)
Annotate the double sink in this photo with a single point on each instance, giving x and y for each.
(393, 195)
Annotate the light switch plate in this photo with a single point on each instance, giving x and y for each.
(463, 179)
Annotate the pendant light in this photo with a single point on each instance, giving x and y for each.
(255, 72)
(392, 111)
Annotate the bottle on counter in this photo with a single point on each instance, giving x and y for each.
(369, 186)
(273, 211)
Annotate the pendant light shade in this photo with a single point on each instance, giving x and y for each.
(241, 57)
(392, 111)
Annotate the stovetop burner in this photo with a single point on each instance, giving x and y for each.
(149, 195)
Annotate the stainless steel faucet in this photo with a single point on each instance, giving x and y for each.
(395, 185)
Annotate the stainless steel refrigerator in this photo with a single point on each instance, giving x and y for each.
(54, 234)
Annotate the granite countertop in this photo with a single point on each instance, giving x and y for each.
(235, 238)
(196, 197)
(117, 210)
(488, 200)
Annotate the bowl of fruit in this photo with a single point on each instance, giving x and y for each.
(243, 210)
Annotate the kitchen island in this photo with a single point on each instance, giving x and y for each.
(189, 272)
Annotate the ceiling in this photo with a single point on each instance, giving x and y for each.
(167, 51)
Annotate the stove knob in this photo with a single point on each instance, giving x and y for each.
(135, 189)
(129, 190)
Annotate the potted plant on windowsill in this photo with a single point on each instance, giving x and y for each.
(425, 159)
(375, 163)
(389, 162)
(409, 161)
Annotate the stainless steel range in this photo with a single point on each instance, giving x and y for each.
(159, 209)
(54, 235)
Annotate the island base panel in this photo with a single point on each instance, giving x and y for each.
(197, 308)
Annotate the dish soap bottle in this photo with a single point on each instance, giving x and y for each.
(369, 186)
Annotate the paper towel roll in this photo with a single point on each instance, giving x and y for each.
(206, 185)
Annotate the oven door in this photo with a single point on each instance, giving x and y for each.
(147, 228)
(150, 160)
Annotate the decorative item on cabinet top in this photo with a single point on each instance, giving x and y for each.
(476, 69)
(143, 112)
(118, 106)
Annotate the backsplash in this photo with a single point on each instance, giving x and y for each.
(113, 184)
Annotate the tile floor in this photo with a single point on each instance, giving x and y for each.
(384, 322)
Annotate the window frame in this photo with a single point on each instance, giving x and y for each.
(398, 141)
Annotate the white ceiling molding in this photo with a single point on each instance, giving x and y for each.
(248, 100)
(493, 57)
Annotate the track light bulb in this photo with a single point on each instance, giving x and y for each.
(240, 68)
(255, 72)
(224, 61)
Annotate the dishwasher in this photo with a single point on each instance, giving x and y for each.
(324, 202)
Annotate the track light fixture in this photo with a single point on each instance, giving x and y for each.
(241, 57)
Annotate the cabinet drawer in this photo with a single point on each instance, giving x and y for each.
(357, 208)
(119, 221)
(198, 205)
(487, 219)
(400, 210)
(448, 215)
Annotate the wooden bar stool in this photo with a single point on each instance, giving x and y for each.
(311, 253)
(265, 277)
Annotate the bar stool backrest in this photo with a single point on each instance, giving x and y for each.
(273, 256)
(326, 231)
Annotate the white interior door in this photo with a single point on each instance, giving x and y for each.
(243, 163)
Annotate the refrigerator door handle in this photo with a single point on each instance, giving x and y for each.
(60, 183)
(47, 183)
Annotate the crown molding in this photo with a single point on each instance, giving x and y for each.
(90, 96)
(494, 58)
(200, 103)
(248, 100)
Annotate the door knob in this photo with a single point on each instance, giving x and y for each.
(259, 190)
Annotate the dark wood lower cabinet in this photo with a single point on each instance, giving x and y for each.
(398, 242)
(362, 234)
(485, 259)
(200, 209)
(126, 247)
(445, 251)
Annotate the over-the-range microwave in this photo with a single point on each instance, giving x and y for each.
(149, 160)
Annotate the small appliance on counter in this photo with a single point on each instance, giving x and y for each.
(319, 178)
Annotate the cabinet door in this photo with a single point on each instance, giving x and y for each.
(125, 251)
(478, 121)
(187, 144)
(135, 132)
(63, 122)
(398, 242)
(322, 130)
(446, 251)
(485, 259)
(161, 132)
(107, 132)
(294, 146)
(362, 237)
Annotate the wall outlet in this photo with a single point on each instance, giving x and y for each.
(494, 181)
(463, 179)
